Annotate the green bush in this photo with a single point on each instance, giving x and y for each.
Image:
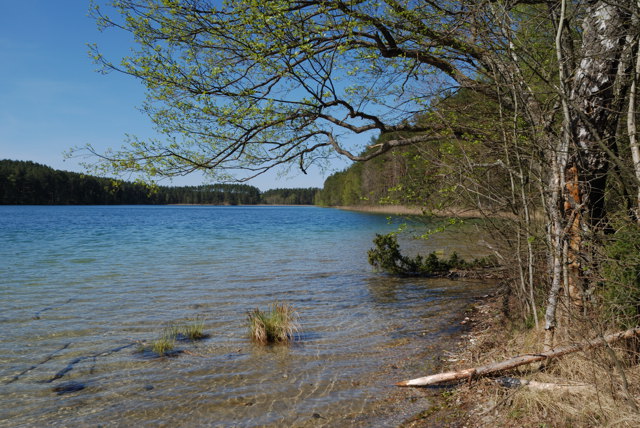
(386, 257)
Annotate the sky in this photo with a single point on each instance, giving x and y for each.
(52, 98)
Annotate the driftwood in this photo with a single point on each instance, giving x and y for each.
(510, 382)
(517, 361)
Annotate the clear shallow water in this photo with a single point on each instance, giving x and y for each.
(80, 286)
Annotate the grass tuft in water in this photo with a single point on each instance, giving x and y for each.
(277, 325)
(194, 330)
(164, 345)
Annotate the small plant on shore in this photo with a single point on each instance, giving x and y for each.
(277, 325)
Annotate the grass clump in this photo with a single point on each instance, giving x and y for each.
(192, 331)
(277, 325)
(164, 345)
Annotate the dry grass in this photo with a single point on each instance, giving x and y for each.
(592, 392)
(277, 325)
(602, 402)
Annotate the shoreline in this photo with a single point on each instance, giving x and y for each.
(381, 209)
(450, 404)
(489, 336)
(439, 405)
(400, 210)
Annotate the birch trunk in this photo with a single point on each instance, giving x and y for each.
(632, 129)
(556, 184)
(592, 132)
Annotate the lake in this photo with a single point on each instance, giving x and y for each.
(83, 286)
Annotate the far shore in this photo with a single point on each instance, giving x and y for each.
(409, 210)
(246, 205)
(399, 210)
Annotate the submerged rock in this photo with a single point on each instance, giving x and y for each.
(68, 387)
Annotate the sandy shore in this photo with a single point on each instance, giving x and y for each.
(448, 405)
(382, 209)
(439, 405)
(409, 210)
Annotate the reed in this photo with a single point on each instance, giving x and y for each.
(277, 325)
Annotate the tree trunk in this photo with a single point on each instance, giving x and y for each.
(632, 130)
(557, 161)
(510, 382)
(592, 130)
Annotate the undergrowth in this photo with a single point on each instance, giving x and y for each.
(593, 388)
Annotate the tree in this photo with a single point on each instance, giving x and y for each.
(252, 85)
(249, 85)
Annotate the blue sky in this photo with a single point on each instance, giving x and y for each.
(52, 99)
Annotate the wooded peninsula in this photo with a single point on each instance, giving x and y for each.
(23, 182)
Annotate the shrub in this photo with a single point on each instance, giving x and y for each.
(277, 325)
(386, 257)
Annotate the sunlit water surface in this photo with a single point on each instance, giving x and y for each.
(82, 286)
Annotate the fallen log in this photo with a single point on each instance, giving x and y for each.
(510, 382)
(517, 361)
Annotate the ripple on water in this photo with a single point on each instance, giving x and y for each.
(82, 286)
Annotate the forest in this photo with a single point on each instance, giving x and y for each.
(422, 174)
(523, 111)
(23, 182)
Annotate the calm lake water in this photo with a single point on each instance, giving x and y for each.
(82, 286)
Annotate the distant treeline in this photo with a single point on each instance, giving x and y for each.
(31, 183)
(289, 196)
